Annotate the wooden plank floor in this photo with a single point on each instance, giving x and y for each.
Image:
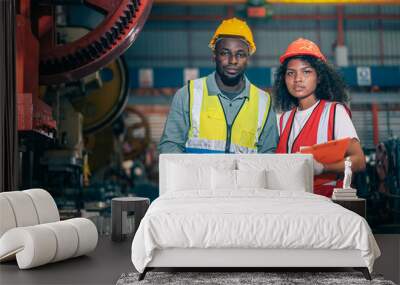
(102, 266)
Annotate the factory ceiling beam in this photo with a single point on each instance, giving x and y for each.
(286, 17)
(310, 2)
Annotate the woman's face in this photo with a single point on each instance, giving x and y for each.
(301, 79)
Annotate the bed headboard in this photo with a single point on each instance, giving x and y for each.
(290, 165)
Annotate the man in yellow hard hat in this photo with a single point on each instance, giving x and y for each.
(222, 112)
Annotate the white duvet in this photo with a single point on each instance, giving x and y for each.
(253, 218)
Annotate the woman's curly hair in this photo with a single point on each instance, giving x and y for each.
(330, 85)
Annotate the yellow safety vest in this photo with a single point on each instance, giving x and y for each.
(209, 131)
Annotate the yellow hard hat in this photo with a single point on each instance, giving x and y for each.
(234, 27)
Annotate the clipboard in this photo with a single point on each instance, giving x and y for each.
(329, 152)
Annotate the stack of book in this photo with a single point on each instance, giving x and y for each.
(344, 194)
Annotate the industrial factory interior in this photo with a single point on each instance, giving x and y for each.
(86, 87)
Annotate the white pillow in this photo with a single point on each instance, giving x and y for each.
(188, 177)
(282, 172)
(279, 180)
(223, 179)
(251, 178)
(194, 173)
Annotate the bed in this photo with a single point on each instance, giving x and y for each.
(247, 211)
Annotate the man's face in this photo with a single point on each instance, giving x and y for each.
(231, 56)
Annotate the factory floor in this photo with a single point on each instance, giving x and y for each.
(102, 266)
(110, 259)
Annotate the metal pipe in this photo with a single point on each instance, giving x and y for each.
(290, 2)
(259, 57)
(372, 17)
(59, 2)
(318, 27)
(230, 11)
(381, 41)
(189, 40)
(282, 17)
(155, 17)
(374, 110)
(340, 29)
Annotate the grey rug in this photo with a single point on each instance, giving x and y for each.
(273, 278)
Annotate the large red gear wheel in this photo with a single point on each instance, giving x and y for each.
(123, 21)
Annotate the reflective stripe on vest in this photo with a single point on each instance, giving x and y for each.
(324, 129)
(323, 126)
(282, 122)
(209, 131)
(195, 87)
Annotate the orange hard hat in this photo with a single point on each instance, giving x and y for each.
(302, 47)
(234, 27)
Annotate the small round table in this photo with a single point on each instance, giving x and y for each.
(120, 208)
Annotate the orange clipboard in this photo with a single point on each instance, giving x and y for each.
(329, 152)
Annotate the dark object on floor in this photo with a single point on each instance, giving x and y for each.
(120, 209)
(243, 278)
(364, 271)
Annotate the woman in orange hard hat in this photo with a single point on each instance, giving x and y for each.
(311, 94)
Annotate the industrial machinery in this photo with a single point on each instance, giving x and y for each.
(61, 71)
(123, 20)
(137, 136)
(98, 136)
(37, 45)
(380, 185)
(86, 111)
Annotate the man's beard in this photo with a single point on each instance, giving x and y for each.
(230, 81)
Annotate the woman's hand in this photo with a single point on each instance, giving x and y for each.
(318, 167)
(356, 154)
